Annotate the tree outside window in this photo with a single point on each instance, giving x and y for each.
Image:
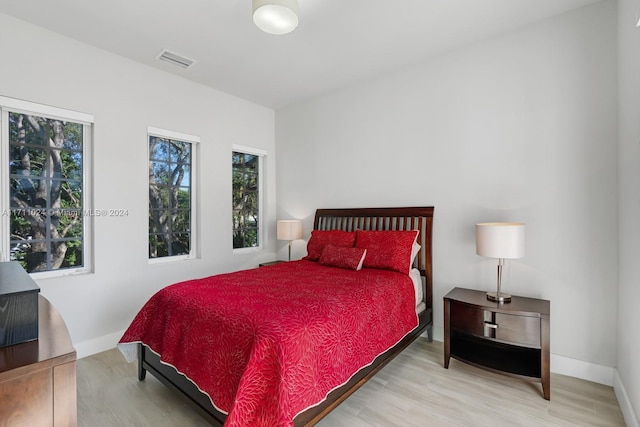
(46, 192)
(170, 214)
(246, 200)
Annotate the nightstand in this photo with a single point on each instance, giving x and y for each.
(264, 264)
(510, 338)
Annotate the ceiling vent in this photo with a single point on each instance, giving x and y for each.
(175, 59)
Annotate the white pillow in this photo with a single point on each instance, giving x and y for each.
(414, 252)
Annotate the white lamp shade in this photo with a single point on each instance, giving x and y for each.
(500, 239)
(289, 229)
(276, 16)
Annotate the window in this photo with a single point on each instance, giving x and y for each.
(45, 189)
(171, 190)
(247, 197)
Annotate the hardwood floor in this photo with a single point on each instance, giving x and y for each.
(413, 390)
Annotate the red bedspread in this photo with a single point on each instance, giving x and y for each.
(266, 344)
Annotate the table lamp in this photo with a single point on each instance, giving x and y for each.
(289, 229)
(502, 240)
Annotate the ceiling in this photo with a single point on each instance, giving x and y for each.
(337, 42)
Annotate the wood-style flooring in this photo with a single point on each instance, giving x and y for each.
(412, 390)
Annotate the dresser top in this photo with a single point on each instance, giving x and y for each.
(14, 279)
(52, 347)
(518, 305)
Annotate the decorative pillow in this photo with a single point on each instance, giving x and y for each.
(338, 256)
(390, 250)
(320, 238)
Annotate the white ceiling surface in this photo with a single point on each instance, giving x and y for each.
(337, 42)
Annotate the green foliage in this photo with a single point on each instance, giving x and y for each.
(245, 199)
(169, 197)
(46, 178)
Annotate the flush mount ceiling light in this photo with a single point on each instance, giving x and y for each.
(276, 16)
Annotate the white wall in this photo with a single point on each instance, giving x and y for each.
(522, 127)
(628, 369)
(125, 98)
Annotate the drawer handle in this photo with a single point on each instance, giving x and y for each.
(490, 325)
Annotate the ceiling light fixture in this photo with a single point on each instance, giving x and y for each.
(276, 16)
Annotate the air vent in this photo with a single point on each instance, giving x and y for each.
(174, 58)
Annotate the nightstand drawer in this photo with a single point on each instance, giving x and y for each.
(467, 319)
(520, 330)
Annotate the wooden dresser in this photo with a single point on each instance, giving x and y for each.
(38, 378)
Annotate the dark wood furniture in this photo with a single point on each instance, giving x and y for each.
(18, 305)
(264, 264)
(412, 218)
(38, 378)
(510, 338)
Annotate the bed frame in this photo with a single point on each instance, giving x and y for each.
(412, 218)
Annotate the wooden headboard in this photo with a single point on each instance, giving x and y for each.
(413, 218)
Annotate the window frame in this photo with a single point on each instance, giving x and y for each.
(13, 105)
(194, 224)
(261, 154)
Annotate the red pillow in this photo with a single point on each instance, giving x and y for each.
(338, 256)
(320, 238)
(390, 250)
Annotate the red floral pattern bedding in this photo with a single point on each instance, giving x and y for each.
(266, 344)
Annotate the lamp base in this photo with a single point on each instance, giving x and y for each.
(498, 297)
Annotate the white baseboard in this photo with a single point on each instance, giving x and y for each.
(563, 365)
(438, 333)
(97, 345)
(580, 369)
(630, 417)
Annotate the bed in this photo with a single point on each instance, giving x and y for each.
(302, 396)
